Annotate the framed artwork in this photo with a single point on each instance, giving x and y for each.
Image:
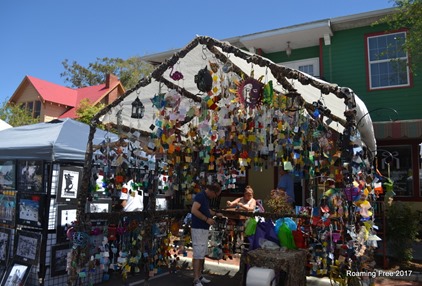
(59, 259)
(8, 207)
(27, 247)
(7, 175)
(29, 176)
(30, 209)
(69, 182)
(99, 222)
(16, 274)
(66, 215)
(5, 237)
(160, 204)
(99, 206)
(159, 229)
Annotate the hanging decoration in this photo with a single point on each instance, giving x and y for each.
(234, 124)
(203, 80)
(176, 75)
(250, 93)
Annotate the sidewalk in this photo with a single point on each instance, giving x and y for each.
(226, 273)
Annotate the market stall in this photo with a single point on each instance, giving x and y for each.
(41, 168)
(208, 114)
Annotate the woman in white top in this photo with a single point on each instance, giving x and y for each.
(246, 203)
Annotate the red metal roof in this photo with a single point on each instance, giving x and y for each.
(93, 93)
(53, 92)
(70, 97)
(71, 113)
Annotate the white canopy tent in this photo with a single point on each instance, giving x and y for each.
(197, 54)
(4, 125)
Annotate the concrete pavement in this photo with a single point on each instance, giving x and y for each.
(226, 273)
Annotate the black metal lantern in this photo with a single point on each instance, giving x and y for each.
(138, 109)
(294, 101)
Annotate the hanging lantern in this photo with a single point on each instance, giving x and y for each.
(138, 109)
(293, 101)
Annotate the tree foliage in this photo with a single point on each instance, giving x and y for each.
(85, 110)
(402, 230)
(409, 15)
(129, 71)
(16, 115)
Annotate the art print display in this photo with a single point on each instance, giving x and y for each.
(8, 207)
(29, 176)
(16, 274)
(100, 206)
(27, 247)
(5, 236)
(69, 182)
(30, 209)
(66, 215)
(7, 174)
(59, 254)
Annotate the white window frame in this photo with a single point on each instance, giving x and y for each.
(372, 62)
(306, 62)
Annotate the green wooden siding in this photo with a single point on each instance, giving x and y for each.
(344, 64)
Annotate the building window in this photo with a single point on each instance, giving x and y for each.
(37, 109)
(309, 69)
(30, 107)
(396, 162)
(33, 107)
(308, 66)
(387, 61)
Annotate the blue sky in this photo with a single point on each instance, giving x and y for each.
(36, 36)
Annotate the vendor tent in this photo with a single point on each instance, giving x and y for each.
(4, 125)
(179, 72)
(57, 140)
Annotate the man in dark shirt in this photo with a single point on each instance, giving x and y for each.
(202, 218)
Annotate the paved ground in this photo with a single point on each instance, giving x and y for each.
(226, 273)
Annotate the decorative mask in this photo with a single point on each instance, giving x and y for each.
(249, 92)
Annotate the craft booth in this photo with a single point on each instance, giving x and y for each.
(41, 168)
(212, 113)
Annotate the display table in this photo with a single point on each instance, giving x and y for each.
(290, 262)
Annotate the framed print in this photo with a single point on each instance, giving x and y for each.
(27, 247)
(8, 207)
(30, 209)
(16, 274)
(159, 229)
(5, 236)
(59, 254)
(99, 206)
(29, 176)
(66, 215)
(7, 175)
(69, 182)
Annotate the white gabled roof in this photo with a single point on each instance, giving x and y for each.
(197, 54)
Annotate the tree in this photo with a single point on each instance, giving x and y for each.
(16, 115)
(85, 111)
(129, 71)
(409, 15)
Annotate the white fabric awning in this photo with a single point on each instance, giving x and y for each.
(202, 50)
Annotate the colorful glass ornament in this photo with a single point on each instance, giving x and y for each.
(175, 75)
